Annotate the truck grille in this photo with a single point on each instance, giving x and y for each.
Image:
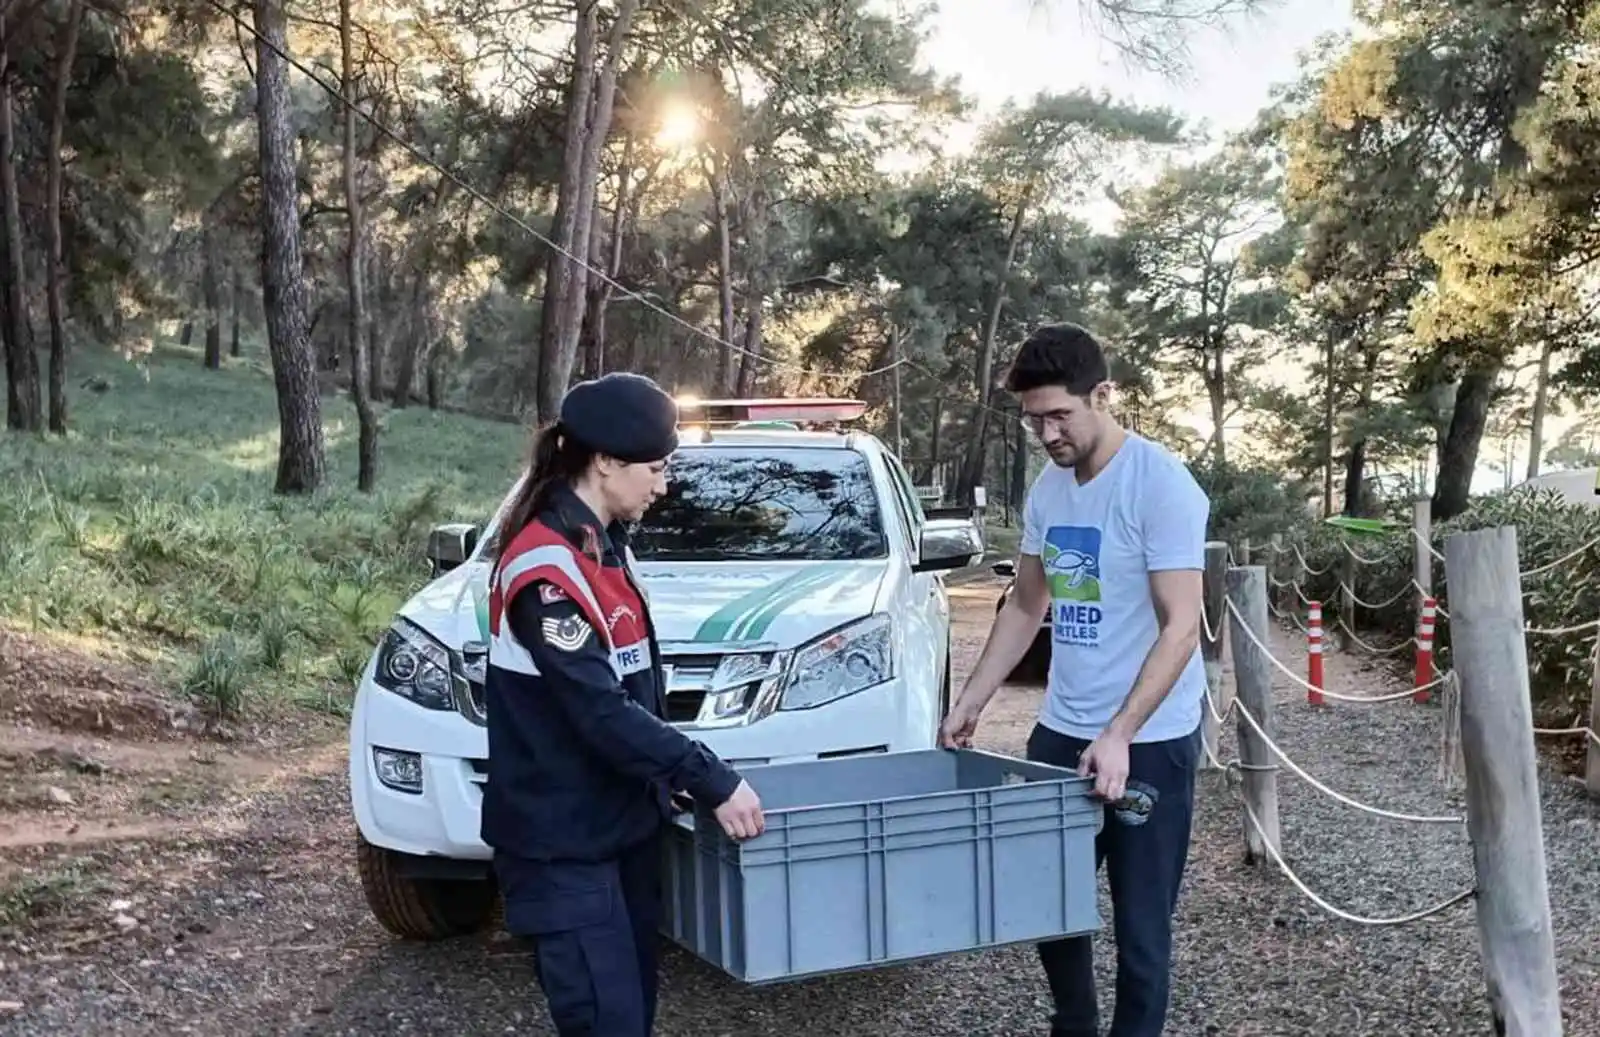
(722, 689)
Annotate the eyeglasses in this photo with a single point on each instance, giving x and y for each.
(1035, 423)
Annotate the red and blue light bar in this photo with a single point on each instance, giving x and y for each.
(800, 410)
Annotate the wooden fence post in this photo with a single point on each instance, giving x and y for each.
(1422, 544)
(1216, 622)
(1592, 770)
(1503, 819)
(1252, 675)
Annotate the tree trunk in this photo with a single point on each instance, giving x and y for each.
(1019, 471)
(1217, 390)
(416, 338)
(375, 354)
(545, 364)
(23, 411)
(1355, 473)
(380, 278)
(1459, 458)
(559, 346)
(590, 335)
(66, 54)
(1541, 404)
(211, 290)
(976, 451)
(435, 378)
(1328, 414)
(238, 301)
(719, 203)
(601, 300)
(360, 373)
(301, 461)
(752, 347)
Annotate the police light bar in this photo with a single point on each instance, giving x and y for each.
(800, 409)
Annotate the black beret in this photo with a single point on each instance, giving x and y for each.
(626, 416)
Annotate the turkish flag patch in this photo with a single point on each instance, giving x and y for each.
(549, 593)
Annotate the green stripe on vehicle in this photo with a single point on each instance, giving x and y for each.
(757, 622)
(480, 606)
(719, 625)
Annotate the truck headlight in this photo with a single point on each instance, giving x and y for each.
(413, 664)
(851, 659)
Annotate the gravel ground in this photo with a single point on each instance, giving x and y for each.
(266, 932)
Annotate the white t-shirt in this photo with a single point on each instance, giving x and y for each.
(1099, 542)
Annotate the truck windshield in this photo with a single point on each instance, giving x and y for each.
(747, 503)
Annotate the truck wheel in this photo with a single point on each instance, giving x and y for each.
(419, 908)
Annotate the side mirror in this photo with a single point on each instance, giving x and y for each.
(1006, 567)
(949, 543)
(450, 545)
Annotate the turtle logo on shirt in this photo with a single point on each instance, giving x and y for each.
(1071, 558)
(1073, 565)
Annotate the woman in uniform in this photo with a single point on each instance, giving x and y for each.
(582, 766)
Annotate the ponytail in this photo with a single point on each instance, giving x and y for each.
(557, 457)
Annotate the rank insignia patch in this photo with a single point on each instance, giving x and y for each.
(569, 633)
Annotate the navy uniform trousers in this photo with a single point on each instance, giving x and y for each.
(594, 931)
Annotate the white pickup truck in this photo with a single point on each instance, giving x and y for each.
(797, 587)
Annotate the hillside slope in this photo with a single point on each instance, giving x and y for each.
(150, 535)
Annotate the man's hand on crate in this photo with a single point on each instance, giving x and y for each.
(740, 816)
(1107, 759)
(958, 728)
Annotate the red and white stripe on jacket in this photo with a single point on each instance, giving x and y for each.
(540, 554)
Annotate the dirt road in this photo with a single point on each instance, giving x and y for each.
(173, 888)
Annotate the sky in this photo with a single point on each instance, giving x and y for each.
(1013, 49)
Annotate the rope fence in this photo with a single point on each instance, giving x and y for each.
(1486, 696)
(1429, 613)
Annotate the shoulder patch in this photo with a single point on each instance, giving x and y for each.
(567, 633)
(549, 594)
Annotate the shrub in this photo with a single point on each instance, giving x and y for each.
(1250, 503)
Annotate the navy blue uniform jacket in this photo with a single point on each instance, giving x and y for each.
(582, 763)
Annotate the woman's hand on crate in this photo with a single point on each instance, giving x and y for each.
(740, 816)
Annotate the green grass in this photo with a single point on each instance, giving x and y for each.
(152, 527)
(32, 895)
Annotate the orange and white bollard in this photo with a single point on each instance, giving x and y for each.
(1314, 652)
(1430, 609)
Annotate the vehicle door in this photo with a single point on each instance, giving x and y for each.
(927, 605)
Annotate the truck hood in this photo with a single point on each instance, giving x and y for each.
(782, 603)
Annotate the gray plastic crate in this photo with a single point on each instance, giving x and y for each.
(872, 860)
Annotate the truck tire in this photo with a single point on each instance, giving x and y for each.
(422, 908)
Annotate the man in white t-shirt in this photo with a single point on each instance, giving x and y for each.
(1113, 545)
